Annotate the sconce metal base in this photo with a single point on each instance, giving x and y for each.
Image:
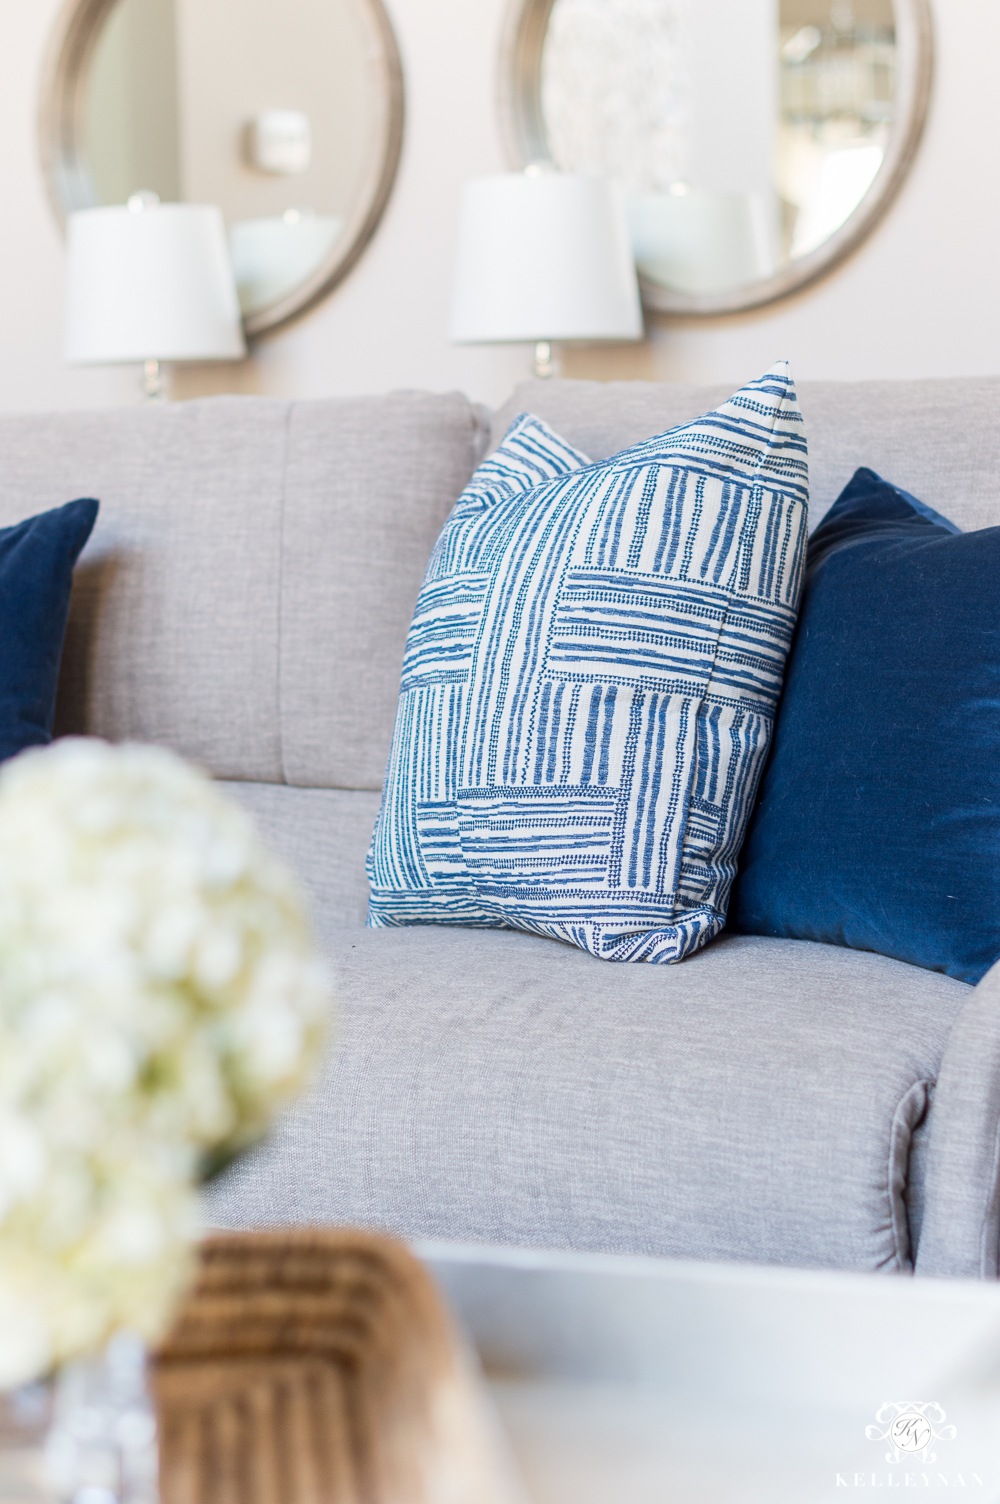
(545, 365)
(152, 383)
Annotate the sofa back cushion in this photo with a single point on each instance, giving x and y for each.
(939, 439)
(247, 590)
(246, 593)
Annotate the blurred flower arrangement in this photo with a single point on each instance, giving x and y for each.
(159, 999)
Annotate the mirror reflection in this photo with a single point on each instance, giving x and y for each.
(745, 132)
(269, 111)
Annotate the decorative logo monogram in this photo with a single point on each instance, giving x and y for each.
(910, 1429)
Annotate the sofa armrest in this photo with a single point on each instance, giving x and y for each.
(961, 1228)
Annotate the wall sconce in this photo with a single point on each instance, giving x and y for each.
(543, 256)
(148, 282)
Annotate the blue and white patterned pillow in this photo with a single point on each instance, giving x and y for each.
(529, 455)
(590, 685)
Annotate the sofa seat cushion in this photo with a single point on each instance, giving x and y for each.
(323, 835)
(756, 1102)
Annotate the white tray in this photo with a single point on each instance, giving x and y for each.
(644, 1381)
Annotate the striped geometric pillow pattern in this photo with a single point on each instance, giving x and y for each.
(530, 455)
(590, 683)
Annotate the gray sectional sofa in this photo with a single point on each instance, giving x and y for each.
(245, 598)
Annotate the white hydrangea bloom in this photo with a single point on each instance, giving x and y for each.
(159, 997)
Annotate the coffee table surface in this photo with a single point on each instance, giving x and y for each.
(654, 1381)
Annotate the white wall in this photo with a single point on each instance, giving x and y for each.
(919, 299)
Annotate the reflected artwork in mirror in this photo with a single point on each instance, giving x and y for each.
(288, 116)
(756, 141)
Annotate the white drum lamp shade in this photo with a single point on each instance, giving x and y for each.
(543, 256)
(153, 283)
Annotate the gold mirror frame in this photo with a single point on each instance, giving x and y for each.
(63, 97)
(525, 142)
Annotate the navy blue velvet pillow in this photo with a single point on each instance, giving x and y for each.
(36, 572)
(878, 821)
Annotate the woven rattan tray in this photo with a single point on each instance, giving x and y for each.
(321, 1368)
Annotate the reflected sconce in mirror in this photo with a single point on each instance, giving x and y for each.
(543, 257)
(758, 141)
(182, 96)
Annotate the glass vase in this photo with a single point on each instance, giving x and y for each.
(101, 1446)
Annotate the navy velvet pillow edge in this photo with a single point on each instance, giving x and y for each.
(878, 816)
(37, 558)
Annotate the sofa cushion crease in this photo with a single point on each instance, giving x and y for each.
(370, 483)
(282, 511)
(910, 1113)
(961, 1225)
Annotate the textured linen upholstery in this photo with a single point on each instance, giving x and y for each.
(369, 483)
(756, 1102)
(246, 592)
(171, 635)
(323, 835)
(939, 439)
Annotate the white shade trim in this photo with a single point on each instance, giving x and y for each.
(153, 285)
(543, 257)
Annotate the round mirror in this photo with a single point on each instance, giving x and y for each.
(288, 116)
(756, 141)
